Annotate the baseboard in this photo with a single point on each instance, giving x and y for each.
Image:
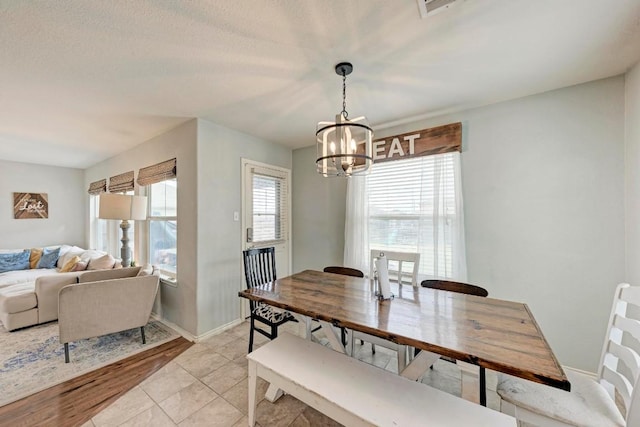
(185, 334)
(196, 338)
(218, 330)
(592, 375)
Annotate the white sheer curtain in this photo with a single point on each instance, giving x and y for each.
(356, 224)
(412, 205)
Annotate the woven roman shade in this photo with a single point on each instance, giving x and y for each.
(121, 183)
(98, 187)
(157, 173)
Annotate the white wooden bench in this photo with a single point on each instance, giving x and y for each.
(355, 393)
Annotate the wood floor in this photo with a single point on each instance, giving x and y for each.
(76, 401)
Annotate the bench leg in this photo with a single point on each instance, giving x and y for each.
(252, 393)
(273, 393)
(66, 352)
(144, 338)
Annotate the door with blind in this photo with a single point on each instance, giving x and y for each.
(266, 212)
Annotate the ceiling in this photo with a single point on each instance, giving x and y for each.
(82, 81)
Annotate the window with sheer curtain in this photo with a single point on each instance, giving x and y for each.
(163, 227)
(410, 205)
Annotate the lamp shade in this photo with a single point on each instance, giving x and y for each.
(122, 206)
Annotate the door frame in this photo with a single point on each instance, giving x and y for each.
(244, 162)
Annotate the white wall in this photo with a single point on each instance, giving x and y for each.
(220, 274)
(632, 174)
(318, 210)
(543, 184)
(178, 303)
(66, 193)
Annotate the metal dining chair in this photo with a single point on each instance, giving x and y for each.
(260, 269)
(467, 289)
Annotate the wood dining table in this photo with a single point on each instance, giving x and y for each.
(491, 333)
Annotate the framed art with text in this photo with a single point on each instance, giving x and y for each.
(30, 205)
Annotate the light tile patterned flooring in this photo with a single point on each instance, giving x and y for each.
(207, 386)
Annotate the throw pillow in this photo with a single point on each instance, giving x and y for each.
(80, 266)
(49, 258)
(147, 270)
(14, 261)
(34, 259)
(70, 265)
(102, 263)
(66, 253)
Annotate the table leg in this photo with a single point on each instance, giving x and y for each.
(470, 383)
(304, 325)
(483, 387)
(419, 365)
(334, 338)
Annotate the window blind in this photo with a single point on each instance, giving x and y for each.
(98, 187)
(412, 208)
(121, 183)
(270, 205)
(157, 173)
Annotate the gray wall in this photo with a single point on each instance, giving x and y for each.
(318, 214)
(632, 174)
(178, 303)
(220, 151)
(66, 193)
(543, 184)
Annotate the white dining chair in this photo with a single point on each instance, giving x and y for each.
(397, 260)
(591, 401)
(396, 273)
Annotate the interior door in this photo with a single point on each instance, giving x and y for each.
(266, 213)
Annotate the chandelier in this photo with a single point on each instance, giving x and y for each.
(344, 147)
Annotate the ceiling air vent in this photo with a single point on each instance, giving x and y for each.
(431, 7)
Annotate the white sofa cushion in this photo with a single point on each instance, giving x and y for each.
(17, 298)
(23, 276)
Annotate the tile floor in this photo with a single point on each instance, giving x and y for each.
(207, 386)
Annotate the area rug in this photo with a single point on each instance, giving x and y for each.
(32, 359)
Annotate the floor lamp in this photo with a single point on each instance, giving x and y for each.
(126, 208)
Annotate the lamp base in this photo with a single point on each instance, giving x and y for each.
(125, 251)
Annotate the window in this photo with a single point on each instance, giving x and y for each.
(163, 226)
(411, 205)
(269, 204)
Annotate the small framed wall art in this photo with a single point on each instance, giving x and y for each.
(30, 205)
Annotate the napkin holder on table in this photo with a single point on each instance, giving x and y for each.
(384, 287)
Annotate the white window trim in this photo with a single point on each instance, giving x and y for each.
(167, 277)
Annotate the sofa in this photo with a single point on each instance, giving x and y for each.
(101, 304)
(29, 294)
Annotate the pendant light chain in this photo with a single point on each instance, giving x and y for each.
(344, 96)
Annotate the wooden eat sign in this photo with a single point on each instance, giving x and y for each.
(426, 142)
